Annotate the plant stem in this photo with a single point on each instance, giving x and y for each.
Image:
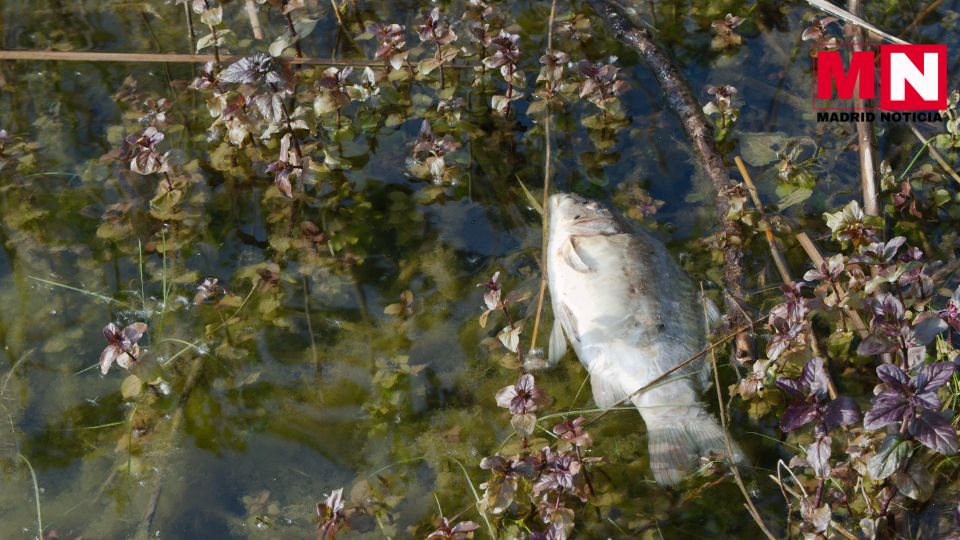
(547, 163)
(437, 56)
(293, 34)
(216, 40)
(748, 503)
(506, 312)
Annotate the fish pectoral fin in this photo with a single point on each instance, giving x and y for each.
(572, 258)
(558, 343)
(569, 321)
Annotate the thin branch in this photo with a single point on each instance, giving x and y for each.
(337, 13)
(935, 155)
(293, 34)
(778, 259)
(90, 56)
(216, 40)
(189, 16)
(681, 99)
(866, 144)
(748, 503)
(251, 7)
(927, 11)
(845, 15)
(547, 164)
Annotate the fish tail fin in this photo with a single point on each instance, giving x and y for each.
(676, 445)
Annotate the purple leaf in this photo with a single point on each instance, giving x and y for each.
(926, 400)
(797, 415)
(814, 377)
(818, 456)
(842, 411)
(933, 376)
(892, 374)
(111, 333)
(792, 386)
(891, 247)
(875, 344)
(914, 482)
(888, 407)
(926, 327)
(933, 430)
(108, 356)
(132, 333)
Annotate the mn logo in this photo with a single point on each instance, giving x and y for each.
(911, 78)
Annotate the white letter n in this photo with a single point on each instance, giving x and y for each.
(902, 70)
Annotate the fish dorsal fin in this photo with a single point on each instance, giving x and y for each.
(572, 257)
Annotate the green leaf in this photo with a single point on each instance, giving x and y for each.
(530, 198)
(427, 65)
(131, 387)
(892, 453)
(279, 45)
(760, 148)
(792, 196)
(304, 27)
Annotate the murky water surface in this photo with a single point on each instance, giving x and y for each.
(301, 383)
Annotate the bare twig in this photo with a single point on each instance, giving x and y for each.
(927, 11)
(216, 40)
(935, 155)
(841, 13)
(866, 144)
(251, 7)
(547, 159)
(778, 259)
(294, 36)
(91, 56)
(681, 99)
(189, 16)
(748, 503)
(336, 12)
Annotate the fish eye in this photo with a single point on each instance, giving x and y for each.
(576, 216)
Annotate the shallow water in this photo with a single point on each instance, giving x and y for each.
(286, 408)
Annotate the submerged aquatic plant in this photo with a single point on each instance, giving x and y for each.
(121, 346)
(548, 477)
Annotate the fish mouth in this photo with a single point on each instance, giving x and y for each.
(559, 198)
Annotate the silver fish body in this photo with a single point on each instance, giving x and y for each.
(632, 315)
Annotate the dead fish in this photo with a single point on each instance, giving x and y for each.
(631, 315)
